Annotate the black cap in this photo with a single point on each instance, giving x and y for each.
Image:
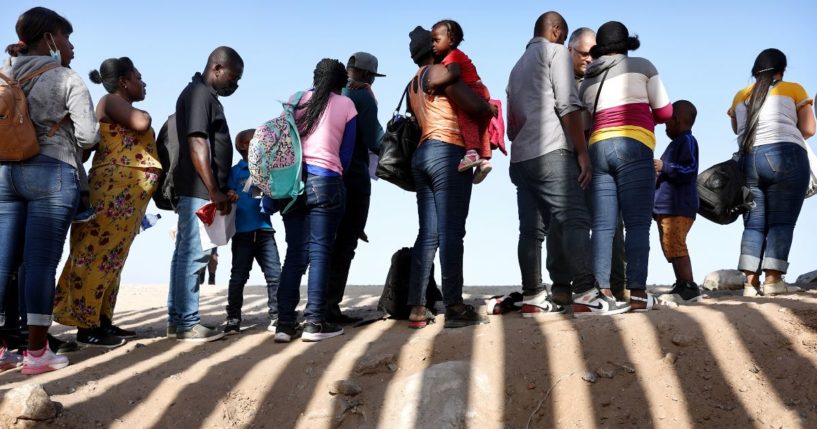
(420, 44)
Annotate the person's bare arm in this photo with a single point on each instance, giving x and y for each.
(443, 79)
(805, 121)
(119, 111)
(200, 155)
(461, 95)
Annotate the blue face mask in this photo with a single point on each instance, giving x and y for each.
(54, 52)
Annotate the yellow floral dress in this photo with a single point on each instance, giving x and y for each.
(123, 177)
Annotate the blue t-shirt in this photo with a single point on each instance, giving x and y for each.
(248, 216)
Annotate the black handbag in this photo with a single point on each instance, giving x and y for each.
(399, 143)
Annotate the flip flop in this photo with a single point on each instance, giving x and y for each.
(420, 324)
(651, 303)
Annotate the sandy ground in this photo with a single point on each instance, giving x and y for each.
(727, 362)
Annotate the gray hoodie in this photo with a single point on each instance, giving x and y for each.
(51, 96)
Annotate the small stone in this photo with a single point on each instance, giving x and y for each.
(531, 386)
(345, 387)
(606, 372)
(28, 402)
(140, 345)
(670, 358)
(754, 369)
(374, 364)
(590, 376)
(681, 340)
(629, 368)
(391, 366)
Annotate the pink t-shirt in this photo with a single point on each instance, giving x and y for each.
(322, 147)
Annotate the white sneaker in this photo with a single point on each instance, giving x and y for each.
(272, 325)
(751, 291)
(540, 305)
(9, 360)
(779, 287)
(46, 362)
(595, 303)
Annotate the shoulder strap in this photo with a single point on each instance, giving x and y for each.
(405, 93)
(54, 128)
(37, 72)
(7, 79)
(598, 93)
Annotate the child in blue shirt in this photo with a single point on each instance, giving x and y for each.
(676, 199)
(254, 239)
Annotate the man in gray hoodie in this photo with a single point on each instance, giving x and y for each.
(550, 167)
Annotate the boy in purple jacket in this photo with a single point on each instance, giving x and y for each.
(676, 199)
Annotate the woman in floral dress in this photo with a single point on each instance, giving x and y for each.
(123, 177)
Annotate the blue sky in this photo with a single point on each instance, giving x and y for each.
(703, 51)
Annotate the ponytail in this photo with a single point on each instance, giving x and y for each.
(330, 75)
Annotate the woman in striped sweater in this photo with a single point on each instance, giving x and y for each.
(627, 99)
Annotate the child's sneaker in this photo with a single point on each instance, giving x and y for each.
(232, 326)
(482, 171)
(540, 305)
(86, 215)
(46, 362)
(593, 302)
(470, 160)
(8, 360)
(683, 293)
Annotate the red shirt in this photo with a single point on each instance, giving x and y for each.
(468, 72)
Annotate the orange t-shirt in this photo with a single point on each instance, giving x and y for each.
(434, 113)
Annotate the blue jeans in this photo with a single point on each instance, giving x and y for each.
(38, 199)
(259, 245)
(623, 182)
(556, 260)
(778, 175)
(351, 227)
(188, 259)
(443, 197)
(311, 225)
(549, 186)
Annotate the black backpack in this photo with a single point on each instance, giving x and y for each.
(167, 144)
(722, 193)
(394, 299)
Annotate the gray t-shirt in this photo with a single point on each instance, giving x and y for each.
(541, 90)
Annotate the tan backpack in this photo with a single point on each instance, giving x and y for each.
(18, 139)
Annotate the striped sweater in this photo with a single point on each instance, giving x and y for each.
(633, 99)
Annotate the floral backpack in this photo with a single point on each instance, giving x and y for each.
(275, 156)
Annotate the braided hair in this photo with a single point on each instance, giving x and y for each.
(768, 63)
(454, 30)
(330, 76)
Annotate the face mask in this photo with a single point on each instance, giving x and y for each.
(227, 90)
(54, 52)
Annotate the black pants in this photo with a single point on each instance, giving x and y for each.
(351, 226)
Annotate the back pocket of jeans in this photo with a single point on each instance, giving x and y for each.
(631, 150)
(41, 180)
(781, 160)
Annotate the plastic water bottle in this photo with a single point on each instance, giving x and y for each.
(150, 220)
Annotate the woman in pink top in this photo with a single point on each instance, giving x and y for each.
(326, 123)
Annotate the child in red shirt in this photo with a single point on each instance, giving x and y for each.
(446, 37)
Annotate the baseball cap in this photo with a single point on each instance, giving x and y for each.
(364, 61)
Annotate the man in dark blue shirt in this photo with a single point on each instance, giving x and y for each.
(362, 69)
